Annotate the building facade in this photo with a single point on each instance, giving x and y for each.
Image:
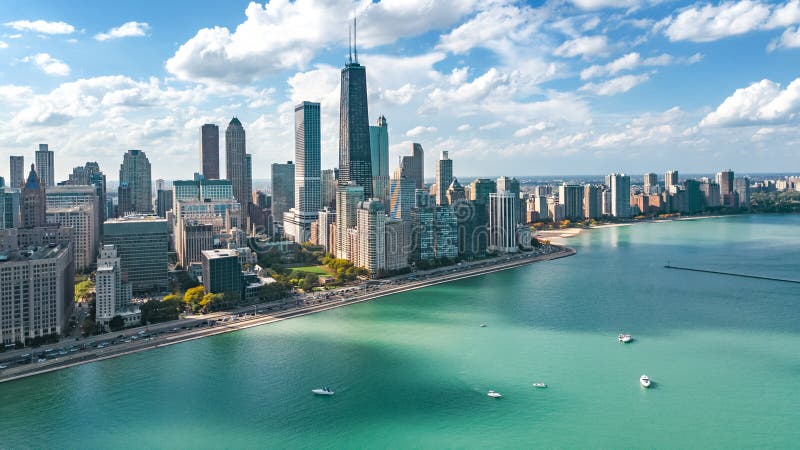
(142, 243)
(16, 165)
(413, 166)
(45, 166)
(355, 156)
(503, 221)
(444, 176)
(209, 151)
(379, 151)
(236, 165)
(135, 173)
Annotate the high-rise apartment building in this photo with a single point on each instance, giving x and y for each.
(9, 207)
(413, 166)
(480, 189)
(307, 173)
(725, 180)
(16, 165)
(327, 223)
(282, 189)
(592, 202)
(347, 199)
(650, 183)
(236, 165)
(742, 187)
(571, 196)
(45, 166)
(503, 221)
(379, 150)
(135, 172)
(371, 225)
(355, 156)
(444, 176)
(620, 195)
(112, 294)
(670, 179)
(209, 151)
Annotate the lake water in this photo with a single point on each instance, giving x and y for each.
(413, 369)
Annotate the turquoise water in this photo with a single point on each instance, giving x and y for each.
(412, 370)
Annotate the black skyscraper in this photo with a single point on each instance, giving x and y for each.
(355, 157)
(209, 151)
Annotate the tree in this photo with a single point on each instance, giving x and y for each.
(165, 310)
(83, 290)
(212, 302)
(193, 297)
(116, 323)
(309, 281)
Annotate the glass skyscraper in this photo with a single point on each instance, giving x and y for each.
(355, 157)
(236, 164)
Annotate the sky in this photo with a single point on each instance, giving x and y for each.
(506, 87)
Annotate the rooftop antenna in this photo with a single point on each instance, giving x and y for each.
(350, 43)
(355, 48)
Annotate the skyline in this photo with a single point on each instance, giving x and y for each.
(604, 89)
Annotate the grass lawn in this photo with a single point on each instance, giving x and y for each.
(314, 270)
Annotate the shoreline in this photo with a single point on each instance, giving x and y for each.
(470, 271)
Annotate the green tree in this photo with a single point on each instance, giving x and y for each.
(193, 297)
(116, 323)
(83, 290)
(212, 302)
(309, 281)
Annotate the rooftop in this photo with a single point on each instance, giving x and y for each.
(32, 253)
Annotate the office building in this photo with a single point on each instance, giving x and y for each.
(236, 165)
(45, 166)
(670, 179)
(503, 221)
(209, 151)
(741, 186)
(379, 151)
(592, 201)
(444, 176)
(422, 233)
(32, 202)
(135, 173)
(571, 196)
(650, 183)
(347, 200)
(480, 189)
(355, 156)
(83, 220)
(329, 183)
(142, 243)
(473, 235)
(371, 225)
(401, 197)
(397, 248)
(16, 165)
(282, 189)
(445, 233)
(9, 207)
(620, 195)
(455, 192)
(195, 238)
(163, 202)
(413, 166)
(222, 273)
(37, 286)
(307, 173)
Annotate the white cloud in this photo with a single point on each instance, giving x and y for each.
(491, 126)
(48, 64)
(464, 127)
(127, 29)
(3, 44)
(585, 46)
(760, 103)
(600, 4)
(281, 35)
(14, 94)
(707, 22)
(632, 61)
(418, 130)
(532, 129)
(500, 23)
(789, 39)
(41, 26)
(615, 86)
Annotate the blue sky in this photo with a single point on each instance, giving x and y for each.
(536, 88)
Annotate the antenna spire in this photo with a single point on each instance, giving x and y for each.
(355, 47)
(350, 43)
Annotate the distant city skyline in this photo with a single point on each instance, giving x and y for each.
(575, 87)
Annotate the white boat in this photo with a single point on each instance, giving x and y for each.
(625, 338)
(494, 394)
(323, 391)
(539, 385)
(483, 325)
(644, 381)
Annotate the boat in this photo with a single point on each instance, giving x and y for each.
(644, 381)
(625, 338)
(323, 391)
(483, 325)
(494, 394)
(539, 385)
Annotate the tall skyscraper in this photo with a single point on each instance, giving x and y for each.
(9, 208)
(347, 199)
(444, 176)
(413, 166)
(209, 151)
(650, 183)
(236, 164)
(621, 195)
(379, 148)
(45, 166)
(571, 196)
(670, 179)
(32, 202)
(503, 221)
(725, 181)
(371, 224)
(592, 201)
(742, 187)
(307, 182)
(355, 157)
(135, 171)
(16, 165)
(282, 189)
(329, 184)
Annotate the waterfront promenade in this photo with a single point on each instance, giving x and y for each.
(194, 327)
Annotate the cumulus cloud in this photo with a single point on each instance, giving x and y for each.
(585, 46)
(615, 86)
(41, 26)
(418, 130)
(632, 61)
(760, 103)
(707, 22)
(3, 45)
(491, 27)
(789, 39)
(127, 29)
(600, 4)
(283, 35)
(532, 129)
(464, 127)
(48, 64)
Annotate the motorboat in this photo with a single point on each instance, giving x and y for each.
(625, 338)
(323, 391)
(494, 394)
(644, 381)
(540, 385)
(483, 325)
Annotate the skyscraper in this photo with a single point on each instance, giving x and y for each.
(503, 221)
(621, 195)
(135, 171)
(307, 182)
(444, 176)
(209, 151)
(142, 242)
(347, 200)
(650, 183)
(16, 165)
(282, 189)
(44, 166)
(32, 202)
(670, 179)
(236, 164)
(413, 166)
(371, 224)
(328, 188)
(592, 201)
(379, 148)
(725, 181)
(355, 157)
(571, 196)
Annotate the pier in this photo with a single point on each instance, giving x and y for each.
(732, 274)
